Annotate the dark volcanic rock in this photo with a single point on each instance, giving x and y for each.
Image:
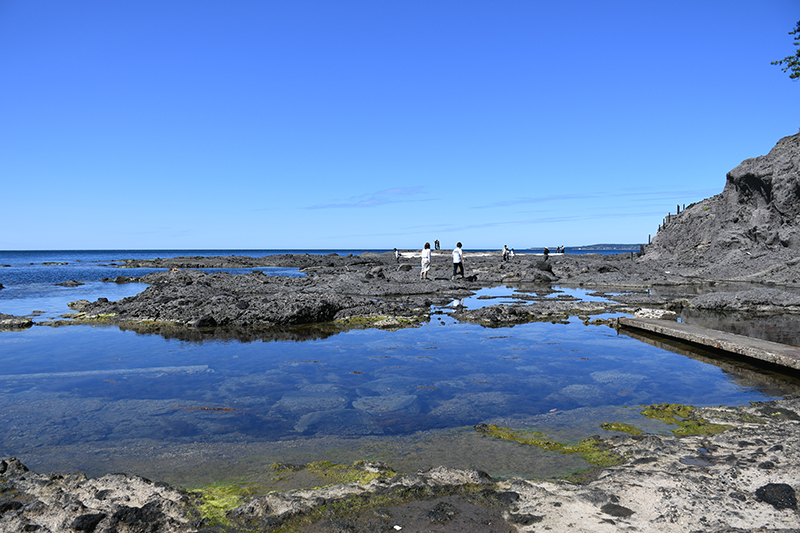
(748, 229)
(779, 495)
(70, 283)
(87, 522)
(79, 305)
(71, 502)
(14, 322)
(442, 513)
(761, 299)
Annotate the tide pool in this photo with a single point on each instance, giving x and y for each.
(100, 399)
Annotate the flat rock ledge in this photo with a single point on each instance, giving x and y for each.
(741, 480)
(375, 290)
(11, 322)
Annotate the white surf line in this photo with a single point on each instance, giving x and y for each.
(152, 370)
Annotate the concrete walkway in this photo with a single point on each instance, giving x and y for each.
(771, 352)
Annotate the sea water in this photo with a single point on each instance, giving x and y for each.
(101, 399)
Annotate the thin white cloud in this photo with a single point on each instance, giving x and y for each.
(634, 194)
(374, 199)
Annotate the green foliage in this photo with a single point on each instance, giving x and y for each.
(791, 63)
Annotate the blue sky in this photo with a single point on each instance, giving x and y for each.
(378, 124)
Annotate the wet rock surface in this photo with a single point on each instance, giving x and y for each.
(743, 479)
(11, 322)
(372, 290)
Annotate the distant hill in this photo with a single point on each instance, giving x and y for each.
(620, 247)
(593, 247)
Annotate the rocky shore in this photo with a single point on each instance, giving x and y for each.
(375, 290)
(721, 469)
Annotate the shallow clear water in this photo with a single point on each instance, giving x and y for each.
(104, 399)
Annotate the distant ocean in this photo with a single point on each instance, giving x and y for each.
(27, 257)
(57, 266)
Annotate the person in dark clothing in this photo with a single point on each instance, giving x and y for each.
(458, 261)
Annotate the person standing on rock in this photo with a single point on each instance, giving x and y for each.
(426, 261)
(396, 255)
(458, 261)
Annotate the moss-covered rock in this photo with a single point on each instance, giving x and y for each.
(591, 449)
(621, 427)
(684, 417)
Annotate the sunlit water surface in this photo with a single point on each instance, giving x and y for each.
(99, 399)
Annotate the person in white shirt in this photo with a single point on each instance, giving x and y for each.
(426, 261)
(458, 261)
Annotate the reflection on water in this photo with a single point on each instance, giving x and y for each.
(108, 388)
(784, 328)
(184, 406)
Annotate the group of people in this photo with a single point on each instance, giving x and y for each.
(458, 260)
(559, 250)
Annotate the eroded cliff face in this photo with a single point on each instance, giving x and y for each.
(758, 211)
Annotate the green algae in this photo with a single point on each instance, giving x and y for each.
(621, 427)
(682, 416)
(591, 449)
(667, 412)
(356, 505)
(359, 472)
(325, 473)
(218, 499)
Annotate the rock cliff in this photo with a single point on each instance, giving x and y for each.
(757, 214)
